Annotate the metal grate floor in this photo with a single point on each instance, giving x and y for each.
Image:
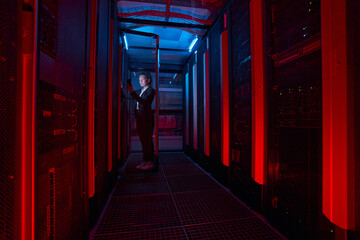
(179, 201)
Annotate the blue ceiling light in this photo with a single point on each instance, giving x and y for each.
(193, 44)
(125, 41)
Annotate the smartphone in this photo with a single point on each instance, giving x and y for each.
(129, 82)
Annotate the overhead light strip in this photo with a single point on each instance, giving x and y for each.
(193, 43)
(126, 43)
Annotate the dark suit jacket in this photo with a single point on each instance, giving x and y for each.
(145, 102)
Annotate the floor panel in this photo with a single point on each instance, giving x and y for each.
(134, 213)
(247, 229)
(163, 233)
(191, 183)
(209, 206)
(179, 201)
(141, 185)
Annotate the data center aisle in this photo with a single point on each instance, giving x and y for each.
(180, 201)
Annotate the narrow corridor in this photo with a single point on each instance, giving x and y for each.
(180, 201)
(255, 115)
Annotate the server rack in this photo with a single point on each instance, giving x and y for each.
(9, 78)
(295, 119)
(59, 121)
(241, 181)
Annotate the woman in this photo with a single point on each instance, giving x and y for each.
(144, 118)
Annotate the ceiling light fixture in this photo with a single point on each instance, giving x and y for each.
(193, 44)
(125, 41)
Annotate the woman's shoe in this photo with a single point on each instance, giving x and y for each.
(147, 166)
(141, 165)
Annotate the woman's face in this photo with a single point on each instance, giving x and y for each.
(143, 80)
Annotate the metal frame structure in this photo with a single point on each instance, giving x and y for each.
(157, 67)
(27, 110)
(163, 49)
(162, 23)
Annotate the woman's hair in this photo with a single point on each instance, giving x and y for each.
(147, 75)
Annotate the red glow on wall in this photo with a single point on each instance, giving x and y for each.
(225, 101)
(338, 144)
(187, 108)
(207, 104)
(119, 103)
(110, 95)
(153, 13)
(91, 102)
(258, 90)
(157, 67)
(195, 109)
(27, 123)
(28, 148)
(225, 20)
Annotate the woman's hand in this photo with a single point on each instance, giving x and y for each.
(130, 88)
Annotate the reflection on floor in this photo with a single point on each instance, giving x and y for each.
(179, 201)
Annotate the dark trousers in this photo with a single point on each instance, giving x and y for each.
(145, 128)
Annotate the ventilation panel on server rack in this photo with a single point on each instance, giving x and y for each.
(8, 176)
(295, 163)
(59, 120)
(241, 91)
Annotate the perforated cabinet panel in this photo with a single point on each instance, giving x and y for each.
(116, 72)
(295, 21)
(59, 119)
(241, 119)
(296, 117)
(200, 87)
(215, 99)
(102, 178)
(241, 88)
(8, 48)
